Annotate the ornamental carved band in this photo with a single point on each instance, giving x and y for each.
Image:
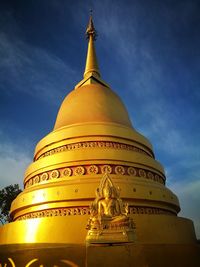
(74, 211)
(96, 144)
(93, 170)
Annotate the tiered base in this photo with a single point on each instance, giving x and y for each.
(161, 241)
(104, 255)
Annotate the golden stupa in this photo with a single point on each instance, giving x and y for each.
(59, 221)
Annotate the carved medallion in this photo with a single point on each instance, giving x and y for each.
(132, 171)
(79, 170)
(36, 179)
(93, 169)
(106, 169)
(44, 176)
(119, 170)
(67, 172)
(54, 174)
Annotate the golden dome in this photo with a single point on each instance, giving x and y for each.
(92, 103)
(92, 100)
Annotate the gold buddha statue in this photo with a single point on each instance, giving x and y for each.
(108, 215)
(109, 207)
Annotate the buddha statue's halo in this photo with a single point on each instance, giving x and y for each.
(106, 184)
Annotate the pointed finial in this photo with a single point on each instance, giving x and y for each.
(91, 67)
(91, 73)
(90, 31)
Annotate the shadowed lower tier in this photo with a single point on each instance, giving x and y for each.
(127, 255)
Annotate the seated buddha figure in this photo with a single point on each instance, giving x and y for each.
(107, 211)
(109, 207)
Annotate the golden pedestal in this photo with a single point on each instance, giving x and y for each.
(110, 236)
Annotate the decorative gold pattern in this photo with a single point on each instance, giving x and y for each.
(56, 212)
(54, 174)
(106, 169)
(119, 170)
(86, 211)
(67, 172)
(94, 170)
(95, 144)
(132, 171)
(44, 176)
(36, 179)
(31, 262)
(142, 173)
(148, 210)
(150, 175)
(79, 170)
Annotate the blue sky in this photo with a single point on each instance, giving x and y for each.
(148, 51)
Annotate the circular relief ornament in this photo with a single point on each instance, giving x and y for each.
(67, 172)
(79, 170)
(44, 176)
(119, 170)
(150, 175)
(142, 173)
(132, 171)
(93, 169)
(106, 169)
(54, 174)
(36, 179)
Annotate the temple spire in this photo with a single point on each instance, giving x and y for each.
(91, 66)
(91, 74)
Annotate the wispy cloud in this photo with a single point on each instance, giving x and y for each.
(32, 70)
